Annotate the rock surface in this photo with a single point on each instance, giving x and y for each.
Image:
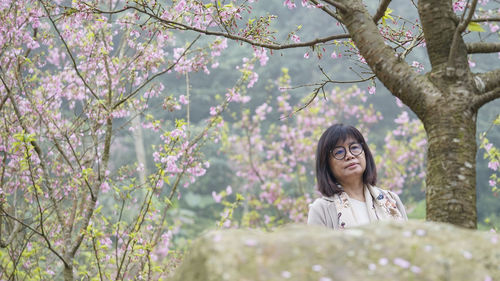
(385, 251)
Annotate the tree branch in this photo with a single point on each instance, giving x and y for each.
(49, 245)
(341, 7)
(488, 81)
(156, 75)
(399, 78)
(232, 36)
(464, 23)
(486, 19)
(438, 40)
(458, 32)
(321, 87)
(326, 10)
(483, 99)
(482, 48)
(415, 42)
(97, 257)
(381, 10)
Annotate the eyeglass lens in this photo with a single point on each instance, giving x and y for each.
(339, 152)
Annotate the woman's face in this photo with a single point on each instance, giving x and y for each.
(353, 163)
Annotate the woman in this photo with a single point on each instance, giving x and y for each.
(346, 176)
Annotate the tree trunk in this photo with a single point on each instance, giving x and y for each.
(451, 164)
(444, 101)
(68, 273)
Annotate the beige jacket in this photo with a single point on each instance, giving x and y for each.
(324, 212)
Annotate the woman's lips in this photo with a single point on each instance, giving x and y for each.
(351, 165)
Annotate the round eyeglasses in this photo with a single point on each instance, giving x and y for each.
(339, 152)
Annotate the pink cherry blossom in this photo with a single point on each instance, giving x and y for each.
(401, 262)
(217, 197)
(290, 4)
(295, 38)
(493, 165)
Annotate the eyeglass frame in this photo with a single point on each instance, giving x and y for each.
(345, 150)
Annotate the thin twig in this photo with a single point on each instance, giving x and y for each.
(326, 10)
(156, 75)
(321, 86)
(49, 245)
(413, 44)
(97, 257)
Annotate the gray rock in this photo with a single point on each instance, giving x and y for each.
(386, 251)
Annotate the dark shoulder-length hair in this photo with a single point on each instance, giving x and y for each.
(327, 183)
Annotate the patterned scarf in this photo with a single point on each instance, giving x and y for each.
(380, 204)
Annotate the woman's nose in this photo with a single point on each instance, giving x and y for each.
(348, 155)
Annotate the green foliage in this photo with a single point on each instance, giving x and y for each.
(416, 210)
(474, 26)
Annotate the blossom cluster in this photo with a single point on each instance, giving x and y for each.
(76, 86)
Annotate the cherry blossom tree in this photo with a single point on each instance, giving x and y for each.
(73, 85)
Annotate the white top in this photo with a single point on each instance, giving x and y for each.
(360, 211)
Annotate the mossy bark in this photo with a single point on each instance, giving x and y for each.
(451, 168)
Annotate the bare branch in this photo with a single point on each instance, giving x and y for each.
(250, 158)
(3, 102)
(486, 19)
(488, 81)
(321, 87)
(14, 232)
(49, 245)
(235, 37)
(90, 207)
(381, 10)
(413, 44)
(396, 75)
(97, 257)
(463, 25)
(438, 40)
(337, 5)
(18, 259)
(483, 99)
(156, 75)
(483, 48)
(458, 31)
(326, 10)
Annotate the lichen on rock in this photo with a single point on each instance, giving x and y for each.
(386, 251)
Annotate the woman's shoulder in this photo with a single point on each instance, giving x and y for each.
(321, 202)
(323, 212)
